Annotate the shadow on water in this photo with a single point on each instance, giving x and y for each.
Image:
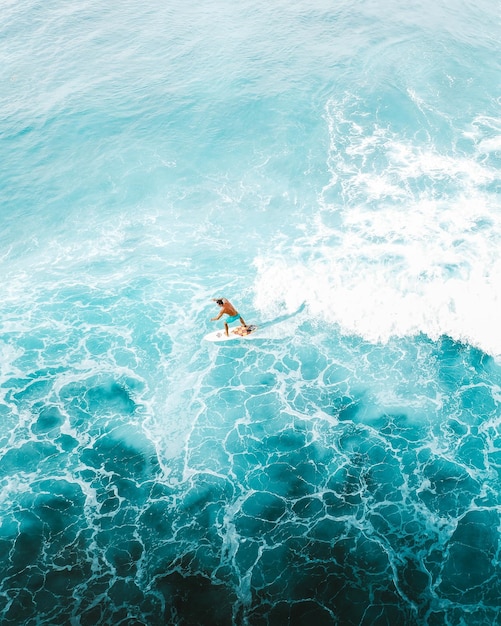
(282, 318)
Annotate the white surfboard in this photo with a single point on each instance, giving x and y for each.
(237, 333)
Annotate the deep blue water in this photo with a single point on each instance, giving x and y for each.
(334, 170)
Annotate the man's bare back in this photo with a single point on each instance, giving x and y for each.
(226, 308)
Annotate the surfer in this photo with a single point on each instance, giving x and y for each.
(227, 309)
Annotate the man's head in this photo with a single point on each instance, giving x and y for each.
(219, 301)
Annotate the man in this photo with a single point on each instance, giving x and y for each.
(227, 309)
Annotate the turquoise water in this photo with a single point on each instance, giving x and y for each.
(334, 170)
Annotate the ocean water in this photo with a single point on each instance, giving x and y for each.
(333, 168)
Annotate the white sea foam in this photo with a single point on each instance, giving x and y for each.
(411, 245)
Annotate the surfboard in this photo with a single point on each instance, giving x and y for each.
(234, 333)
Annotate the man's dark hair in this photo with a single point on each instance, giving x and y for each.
(219, 302)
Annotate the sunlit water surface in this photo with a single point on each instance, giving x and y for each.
(334, 170)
